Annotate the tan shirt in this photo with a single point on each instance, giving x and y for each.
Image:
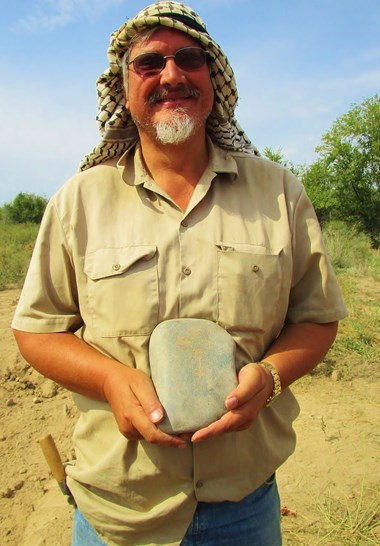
(115, 257)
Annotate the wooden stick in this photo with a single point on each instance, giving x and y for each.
(54, 461)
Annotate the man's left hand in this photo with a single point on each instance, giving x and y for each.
(244, 403)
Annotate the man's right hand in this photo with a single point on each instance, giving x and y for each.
(133, 399)
(71, 362)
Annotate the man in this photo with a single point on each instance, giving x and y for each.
(175, 215)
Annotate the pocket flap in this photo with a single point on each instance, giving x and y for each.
(107, 262)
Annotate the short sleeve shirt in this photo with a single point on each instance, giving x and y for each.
(115, 256)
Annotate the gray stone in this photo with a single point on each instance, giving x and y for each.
(193, 370)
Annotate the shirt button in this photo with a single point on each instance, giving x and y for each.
(186, 271)
(116, 267)
(255, 268)
(184, 223)
(199, 484)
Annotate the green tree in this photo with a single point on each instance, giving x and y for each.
(316, 181)
(278, 157)
(26, 207)
(345, 180)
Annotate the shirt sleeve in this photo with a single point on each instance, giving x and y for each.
(315, 294)
(49, 298)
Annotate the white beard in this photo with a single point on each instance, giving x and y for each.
(176, 130)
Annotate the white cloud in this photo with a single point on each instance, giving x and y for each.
(43, 141)
(215, 3)
(292, 111)
(367, 56)
(51, 14)
(43, 124)
(363, 80)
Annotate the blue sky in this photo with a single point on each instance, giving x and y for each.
(299, 65)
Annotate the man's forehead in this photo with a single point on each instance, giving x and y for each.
(164, 36)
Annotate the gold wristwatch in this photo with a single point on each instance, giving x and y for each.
(276, 381)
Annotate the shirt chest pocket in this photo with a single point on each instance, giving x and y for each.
(249, 286)
(122, 289)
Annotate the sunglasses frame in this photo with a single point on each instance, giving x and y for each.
(155, 71)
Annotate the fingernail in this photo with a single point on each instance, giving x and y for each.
(156, 416)
(232, 403)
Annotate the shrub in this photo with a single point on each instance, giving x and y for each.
(16, 245)
(25, 208)
(348, 248)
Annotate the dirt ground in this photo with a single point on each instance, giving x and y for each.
(337, 458)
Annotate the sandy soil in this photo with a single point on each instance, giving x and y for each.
(337, 455)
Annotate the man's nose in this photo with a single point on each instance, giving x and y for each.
(171, 73)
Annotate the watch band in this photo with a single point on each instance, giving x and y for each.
(276, 381)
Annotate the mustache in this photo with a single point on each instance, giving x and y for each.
(185, 91)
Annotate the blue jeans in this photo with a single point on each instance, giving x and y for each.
(254, 521)
(83, 533)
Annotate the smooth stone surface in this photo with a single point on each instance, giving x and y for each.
(193, 370)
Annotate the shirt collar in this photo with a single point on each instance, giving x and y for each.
(133, 172)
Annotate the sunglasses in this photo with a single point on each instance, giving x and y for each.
(186, 58)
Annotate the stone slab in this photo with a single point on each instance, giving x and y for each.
(193, 370)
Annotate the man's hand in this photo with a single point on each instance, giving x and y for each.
(244, 403)
(136, 407)
(71, 362)
(294, 353)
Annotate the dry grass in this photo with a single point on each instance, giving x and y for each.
(353, 520)
(357, 346)
(338, 521)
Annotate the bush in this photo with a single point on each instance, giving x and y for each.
(16, 245)
(25, 208)
(348, 248)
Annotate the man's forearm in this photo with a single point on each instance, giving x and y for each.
(67, 360)
(299, 348)
(72, 363)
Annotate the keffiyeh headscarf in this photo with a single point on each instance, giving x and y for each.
(114, 121)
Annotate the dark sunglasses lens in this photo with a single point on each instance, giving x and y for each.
(190, 58)
(148, 62)
(187, 58)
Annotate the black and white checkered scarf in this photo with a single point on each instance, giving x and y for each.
(114, 121)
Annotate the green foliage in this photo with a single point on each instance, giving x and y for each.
(316, 181)
(26, 207)
(357, 264)
(278, 157)
(344, 183)
(16, 245)
(348, 248)
(274, 155)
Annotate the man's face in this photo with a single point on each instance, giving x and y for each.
(173, 91)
